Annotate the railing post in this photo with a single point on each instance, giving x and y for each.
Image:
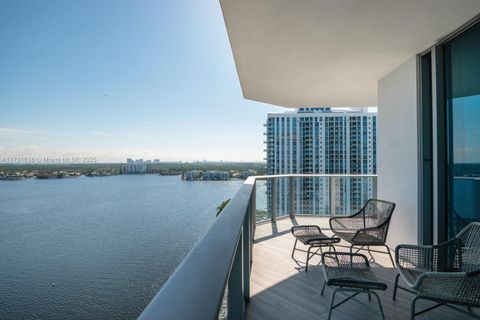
(374, 187)
(247, 254)
(274, 200)
(253, 214)
(291, 196)
(236, 301)
(333, 196)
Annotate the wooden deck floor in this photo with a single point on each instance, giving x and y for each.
(281, 289)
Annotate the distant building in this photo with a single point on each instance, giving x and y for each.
(133, 167)
(321, 141)
(247, 173)
(216, 176)
(196, 175)
(192, 175)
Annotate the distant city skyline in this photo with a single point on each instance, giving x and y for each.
(148, 79)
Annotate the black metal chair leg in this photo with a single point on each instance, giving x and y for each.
(390, 255)
(333, 247)
(351, 251)
(294, 248)
(379, 304)
(308, 258)
(371, 256)
(358, 250)
(334, 250)
(412, 308)
(395, 287)
(323, 289)
(332, 300)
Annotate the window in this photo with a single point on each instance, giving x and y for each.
(462, 106)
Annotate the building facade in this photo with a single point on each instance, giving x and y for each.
(320, 141)
(192, 175)
(216, 176)
(133, 167)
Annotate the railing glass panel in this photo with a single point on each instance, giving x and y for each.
(262, 213)
(323, 195)
(221, 261)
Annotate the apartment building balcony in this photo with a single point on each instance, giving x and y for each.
(242, 267)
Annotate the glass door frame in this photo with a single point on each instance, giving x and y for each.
(425, 151)
(433, 189)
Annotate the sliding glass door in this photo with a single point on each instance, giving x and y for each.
(462, 146)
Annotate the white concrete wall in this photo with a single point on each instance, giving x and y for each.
(397, 153)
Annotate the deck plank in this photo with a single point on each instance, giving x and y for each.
(281, 289)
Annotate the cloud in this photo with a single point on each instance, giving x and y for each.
(133, 136)
(102, 134)
(30, 133)
(17, 133)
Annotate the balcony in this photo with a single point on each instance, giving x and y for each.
(246, 253)
(281, 289)
(338, 54)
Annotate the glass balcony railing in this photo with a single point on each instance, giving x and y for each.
(320, 194)
(213, 281)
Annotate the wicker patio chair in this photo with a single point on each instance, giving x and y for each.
(447, 273)
(366, 228)
(350, 273)
(313, 237)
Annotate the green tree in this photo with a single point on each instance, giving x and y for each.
(222, 206)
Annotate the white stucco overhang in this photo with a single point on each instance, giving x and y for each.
(331, 52)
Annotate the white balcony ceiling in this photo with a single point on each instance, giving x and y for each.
(331, 52)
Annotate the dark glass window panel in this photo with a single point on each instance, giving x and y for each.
(462, 74)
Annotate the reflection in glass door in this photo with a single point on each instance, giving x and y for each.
(462, 93)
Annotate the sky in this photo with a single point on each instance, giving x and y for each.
(123, 79)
